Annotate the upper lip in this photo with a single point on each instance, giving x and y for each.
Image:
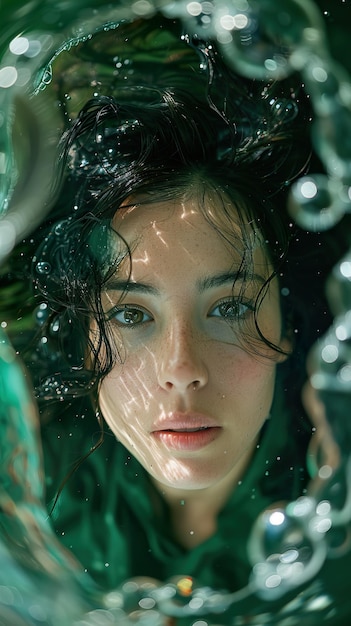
(184, 421)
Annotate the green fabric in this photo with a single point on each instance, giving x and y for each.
(106, 516)
(105, 513)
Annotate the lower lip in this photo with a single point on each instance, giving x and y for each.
(185, 440)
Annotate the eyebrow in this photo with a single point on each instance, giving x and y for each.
(114, 284)
(204, 284)
(218, 280)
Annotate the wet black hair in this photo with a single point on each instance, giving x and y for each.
(242, 140)
(160, 145)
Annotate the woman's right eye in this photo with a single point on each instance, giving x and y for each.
(130, 315)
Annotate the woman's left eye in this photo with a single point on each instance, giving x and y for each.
(231, 310)
(130, 316)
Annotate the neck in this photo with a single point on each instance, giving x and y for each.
(194, 512)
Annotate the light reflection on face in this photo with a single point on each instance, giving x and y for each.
(189, 400)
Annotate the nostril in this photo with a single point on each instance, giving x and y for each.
(192, 386)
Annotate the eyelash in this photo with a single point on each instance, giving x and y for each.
(240, 309)
(131, 309)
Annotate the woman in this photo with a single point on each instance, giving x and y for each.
(168, 301)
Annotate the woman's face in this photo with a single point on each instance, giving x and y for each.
(189, 399)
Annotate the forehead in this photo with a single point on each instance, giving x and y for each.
(203, 209)
(187, 230)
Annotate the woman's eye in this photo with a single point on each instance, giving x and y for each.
(130, 316)
(230, 309)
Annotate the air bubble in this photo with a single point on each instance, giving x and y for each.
(47, 76)
(60, 228)
(8, 76)
(41, 313)
(55, 326)
(43, 267)
(19, 45)
(317, 203)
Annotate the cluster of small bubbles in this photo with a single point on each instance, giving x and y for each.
(237, 30)
(260, 40)
(339, 286)
(287, 547)
(332, 357)
(30, 48)
(52, 387)
(197, 16)
(329, 88)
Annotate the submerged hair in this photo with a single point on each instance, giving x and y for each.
(160, 145)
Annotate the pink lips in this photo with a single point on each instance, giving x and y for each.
(186, 431)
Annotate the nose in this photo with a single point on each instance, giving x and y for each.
(181, 366)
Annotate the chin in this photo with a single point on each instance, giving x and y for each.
(177, 475)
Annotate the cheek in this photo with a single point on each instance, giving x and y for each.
(126, 392)
(248, 382)
(118, 405)
(242, 368)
